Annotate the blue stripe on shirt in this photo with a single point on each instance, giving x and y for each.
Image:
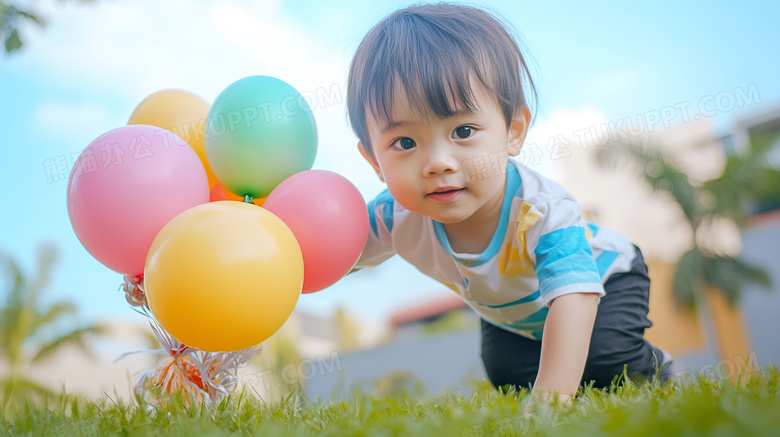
(564, 257)
(530, 298)
(372, 218)
(605, 260)
(535, 320)
(386, 200)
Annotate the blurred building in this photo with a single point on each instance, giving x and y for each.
(620, 199)
(433, 347)
(761, 244)
(416, 321)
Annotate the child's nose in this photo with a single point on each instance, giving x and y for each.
(439, 160)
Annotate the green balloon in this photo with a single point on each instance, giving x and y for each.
(259, 132)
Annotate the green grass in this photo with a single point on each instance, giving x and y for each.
(701, 407)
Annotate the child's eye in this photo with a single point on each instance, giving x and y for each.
(462, 132)
(406, 143)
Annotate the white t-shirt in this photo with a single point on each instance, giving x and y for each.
(541, 250)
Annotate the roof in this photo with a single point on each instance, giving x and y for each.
(427, 310)
(765, 218)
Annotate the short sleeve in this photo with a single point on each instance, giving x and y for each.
(562, 256)
(379, 246)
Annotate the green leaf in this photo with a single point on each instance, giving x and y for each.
(31, 17)
(747, 177)
(730, 274)
(76, 337)
(54, 313)
(688, 282)
(12, 41)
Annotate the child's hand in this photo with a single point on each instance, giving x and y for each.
(542, 403)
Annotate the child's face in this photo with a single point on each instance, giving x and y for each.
(450, 169)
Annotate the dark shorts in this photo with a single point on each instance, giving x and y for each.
(617, 339)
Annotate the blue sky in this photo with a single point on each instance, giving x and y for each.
(87, 70)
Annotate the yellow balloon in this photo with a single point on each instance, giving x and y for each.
(223, 276)
(181, 113)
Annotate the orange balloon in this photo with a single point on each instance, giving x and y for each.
(223, 276)
(181, 113)
(219, 193)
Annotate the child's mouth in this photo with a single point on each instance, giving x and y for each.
(446, 195)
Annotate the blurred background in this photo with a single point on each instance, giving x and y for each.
(662, 119)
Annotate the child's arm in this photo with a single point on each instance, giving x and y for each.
(565, 344)
(569, 283)
(379, 247)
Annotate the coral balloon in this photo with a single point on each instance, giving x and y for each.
(218, 192)
(260, 132)
(223, 276)
(180, 112)
(125, 186)
(329, 218)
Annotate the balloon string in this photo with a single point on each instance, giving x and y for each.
(248, 199)
(217, 371)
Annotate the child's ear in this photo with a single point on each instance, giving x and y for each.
(371, 160)
(518, 129)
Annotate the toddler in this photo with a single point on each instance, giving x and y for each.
(440, 99)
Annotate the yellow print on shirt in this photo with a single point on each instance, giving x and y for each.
(588, 233)
(514, 260)
(452, 287)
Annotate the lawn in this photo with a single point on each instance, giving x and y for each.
(749, 406)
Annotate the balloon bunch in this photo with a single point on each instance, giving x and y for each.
(217, 222)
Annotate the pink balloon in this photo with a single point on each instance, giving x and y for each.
(329, 218)
(125, 186)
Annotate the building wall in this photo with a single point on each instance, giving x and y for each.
(414, 330)
(760, 306)
(675, 330)
(437, 364)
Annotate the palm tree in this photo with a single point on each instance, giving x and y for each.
(23, 318)
(746, 177)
